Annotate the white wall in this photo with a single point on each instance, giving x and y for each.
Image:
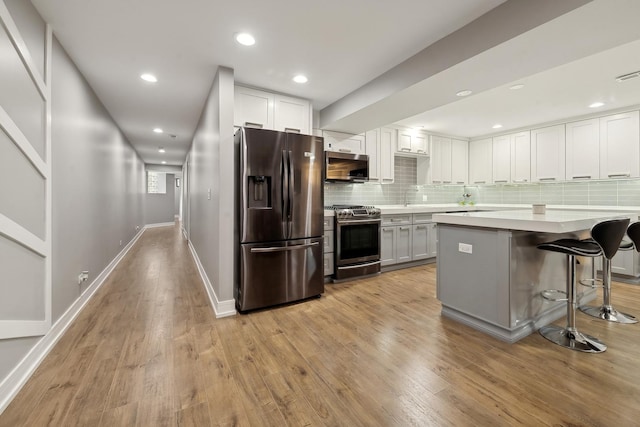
(160, 208)
(211, 186)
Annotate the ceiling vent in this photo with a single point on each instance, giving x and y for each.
(629, 76)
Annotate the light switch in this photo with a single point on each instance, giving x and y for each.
(465, 248)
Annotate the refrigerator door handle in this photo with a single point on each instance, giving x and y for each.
(284, 179)
(283, 248)
(290, 196)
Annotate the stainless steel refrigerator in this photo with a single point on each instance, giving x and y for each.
(281, 217)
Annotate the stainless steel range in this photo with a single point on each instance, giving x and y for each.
(357, 237)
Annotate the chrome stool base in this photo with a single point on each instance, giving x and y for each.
(573, 340)
(609, 313)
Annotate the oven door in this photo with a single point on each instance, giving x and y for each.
(357, 241)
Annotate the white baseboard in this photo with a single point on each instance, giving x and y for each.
(160, 224)
(17, 378)
(220, 308)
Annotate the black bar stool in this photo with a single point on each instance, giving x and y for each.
(606, 311)
(607, 236)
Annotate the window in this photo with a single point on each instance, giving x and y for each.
(156, 182)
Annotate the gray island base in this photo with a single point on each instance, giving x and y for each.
(490, 274)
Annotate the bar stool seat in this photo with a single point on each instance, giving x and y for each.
(606, 236)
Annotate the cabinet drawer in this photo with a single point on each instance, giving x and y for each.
(328, 242)
(419, 218)
(328, 264)
(397, 219)
(328, 223)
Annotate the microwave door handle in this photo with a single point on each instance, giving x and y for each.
(291, 188)
(284, 182)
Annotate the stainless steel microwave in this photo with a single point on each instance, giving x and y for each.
(346, 167)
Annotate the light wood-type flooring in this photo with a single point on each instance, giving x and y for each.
(148, 351)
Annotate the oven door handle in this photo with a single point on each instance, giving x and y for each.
(359, 221)
(366, 264)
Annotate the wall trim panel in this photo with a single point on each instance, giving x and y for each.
(18, 138)
(221, 308)
(17, 378)
(22, 236)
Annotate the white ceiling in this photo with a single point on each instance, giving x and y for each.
(340, 45)
(343, 47)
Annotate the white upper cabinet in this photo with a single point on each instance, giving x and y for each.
(459, 161)
(253, 108)
(344, 142)
(583, 149)
(520, 156)
(501, 159)
(481, 161)
(412, 142)
(548, 154)
(292, 114)
(266, 110)
(440, 160)
(380, 146)
(620, 145)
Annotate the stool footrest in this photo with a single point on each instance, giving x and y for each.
(554, 295)
(592, 283)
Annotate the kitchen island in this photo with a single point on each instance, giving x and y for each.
(490, 272)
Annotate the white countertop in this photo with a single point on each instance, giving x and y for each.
(553, 221)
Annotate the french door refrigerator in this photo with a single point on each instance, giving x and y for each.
(281, 217)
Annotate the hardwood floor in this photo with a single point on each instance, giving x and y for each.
(148, 351)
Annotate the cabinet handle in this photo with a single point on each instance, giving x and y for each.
(405, 149)
(421, 151)
(498, 181)
(344, 150)
(459, 182)
(436, 182)
(551, 178)
(292, 130)
(253, 125)
(420, 227)
(403, 228)
(581, 177)
(619, 175)
(524, 180)
(479, 182)
(446, 182)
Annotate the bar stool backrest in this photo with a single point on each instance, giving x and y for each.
(634, 234)
(608, 235)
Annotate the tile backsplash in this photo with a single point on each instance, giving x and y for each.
(623, 192)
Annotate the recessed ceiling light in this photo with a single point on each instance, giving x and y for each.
(149, 78)
(465, 92)
(516, 87)
(497, 126)
(158, 130)
(245, 39)
(164, 163)
(161, 150)
(300, 79)
(596, 105)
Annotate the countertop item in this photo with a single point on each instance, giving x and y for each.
(553, 221)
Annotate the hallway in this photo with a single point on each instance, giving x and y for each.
(148, 351)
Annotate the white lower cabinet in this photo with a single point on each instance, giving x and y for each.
(328, 248)
(433, 240)
(406, 238)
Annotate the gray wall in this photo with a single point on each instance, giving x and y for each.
(212, 169)
(97, 178)
(160, 208)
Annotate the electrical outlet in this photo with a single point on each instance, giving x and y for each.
(465, 248)
(120, 242)
(424, 197)
(83, 277)
(137, 227)
(209, 194)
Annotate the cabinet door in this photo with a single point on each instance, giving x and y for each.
(372, 149)
(620, 146)
(328, 264)
(459, 161)
(520, 156)
(344, 142)
(404, 141)
(387, 145)
(253, 108)
(433, 240)
(548, 154)
(623, 263)
(404, 243)
(420, 248)
(440, 160)
(388, 245)
(481, 161)
(292, 115)
(583, 149)
(501, 159)
(419, 144)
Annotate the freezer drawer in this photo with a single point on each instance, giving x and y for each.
(272, 274)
